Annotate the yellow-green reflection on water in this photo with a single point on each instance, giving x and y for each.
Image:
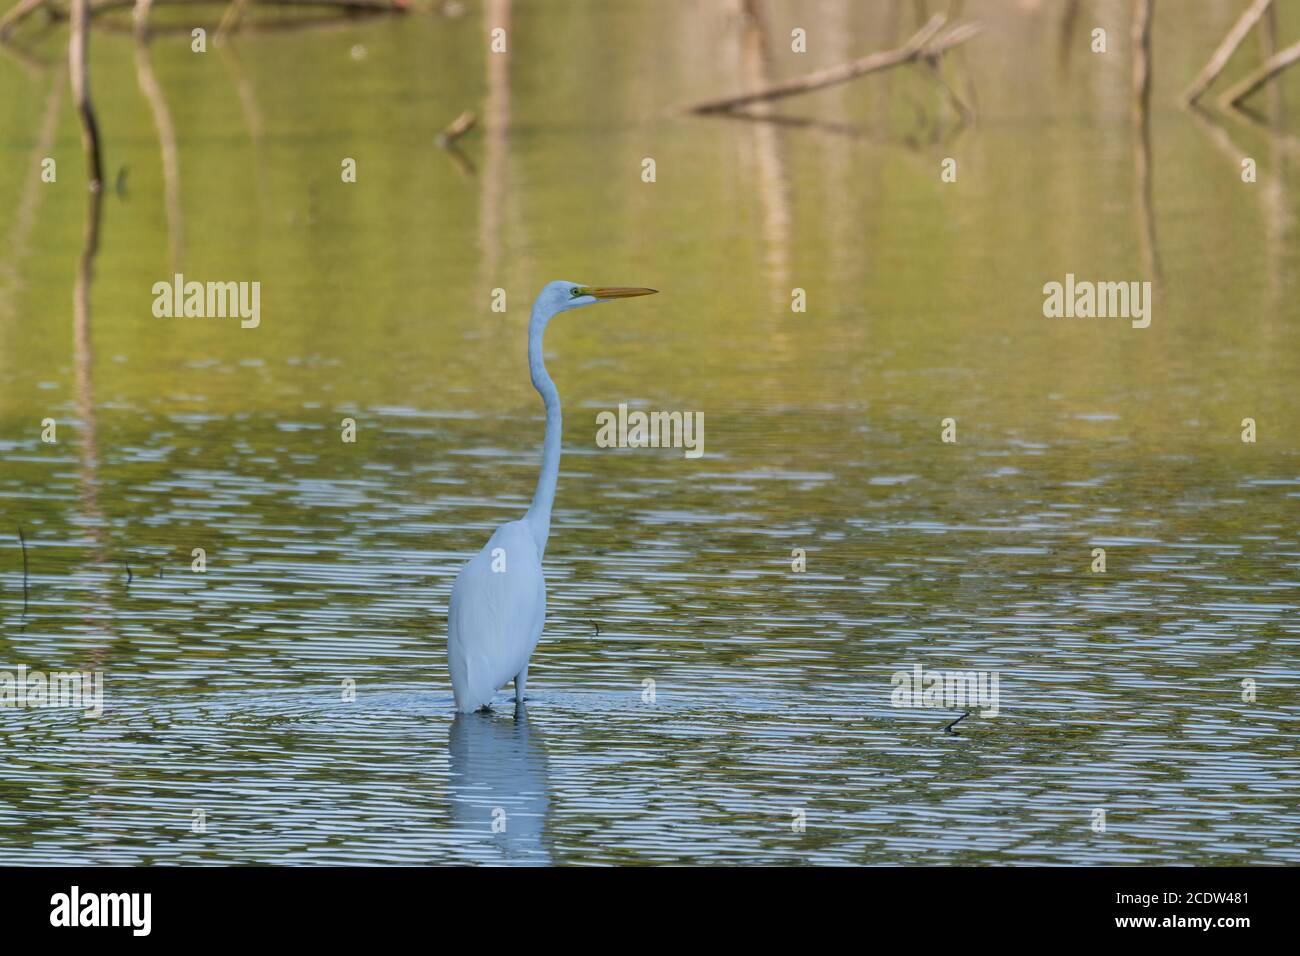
(329, 561)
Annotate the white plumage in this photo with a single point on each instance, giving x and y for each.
(498, 602)
(496, 617)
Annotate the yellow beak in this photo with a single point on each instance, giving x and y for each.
(604, 292)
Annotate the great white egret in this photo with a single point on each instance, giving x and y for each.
(498, 603)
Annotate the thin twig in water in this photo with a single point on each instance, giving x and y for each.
(949, 729)
(457, 128)
(129, 576)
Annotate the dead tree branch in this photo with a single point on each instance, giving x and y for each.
(1231, 40)
(78, 67)
(1270, 68)
(457, 128)
(924, 45)
(17, 14)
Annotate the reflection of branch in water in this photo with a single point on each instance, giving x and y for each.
(1274, 205)
(22, 543)
(1142, 136)
(1268, 47)
(964, 110)
(1146, 214)
(940, 135)
(1278, 214)
(33, 39)
(348, 10)
(231, 20)
(464, 165)
(496, 126)
(34, 65)
(1069, 19)
(1279, 220)
(78, 45)
(1218, 135)
(162, 120)
(98, 614)
(393, 6)
(1287, 142)
(84, 351)
(78, 48)
(25, 216)
(755, 59)
(84, 385)
(84, 354)
(315, 24)
(1142, 55)
(247, 96)
(252, 118)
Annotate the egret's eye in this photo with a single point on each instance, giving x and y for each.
(575, 291)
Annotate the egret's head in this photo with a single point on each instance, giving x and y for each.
(561, 296)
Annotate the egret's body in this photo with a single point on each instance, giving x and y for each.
(496, 617)
(498, 603)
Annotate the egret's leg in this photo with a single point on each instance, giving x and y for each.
(520, 679)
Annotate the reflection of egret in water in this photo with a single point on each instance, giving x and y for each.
(498, 787)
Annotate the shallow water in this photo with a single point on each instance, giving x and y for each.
(329, 564)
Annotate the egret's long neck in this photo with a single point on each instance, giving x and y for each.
(539, 513)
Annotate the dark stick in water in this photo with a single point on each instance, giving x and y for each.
(949, 728)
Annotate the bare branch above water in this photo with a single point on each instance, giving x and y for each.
(1260, 75)
(79, 70)
(925, 44)
(1223, 53)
